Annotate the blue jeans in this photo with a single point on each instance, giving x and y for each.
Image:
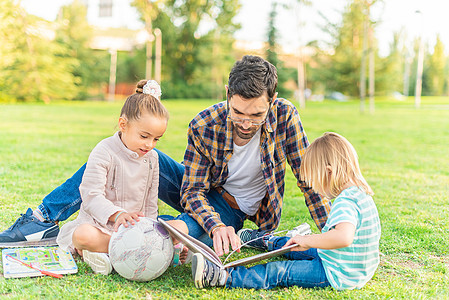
(303, 269)
(65, 200)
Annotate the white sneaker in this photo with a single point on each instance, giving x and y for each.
(303, 229)
(99, 262)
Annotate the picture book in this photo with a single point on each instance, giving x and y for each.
(197, 246)
(47, 259)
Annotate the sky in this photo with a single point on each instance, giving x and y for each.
(416, 17)
(393, 15)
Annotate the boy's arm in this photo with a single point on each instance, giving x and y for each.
(341, 236)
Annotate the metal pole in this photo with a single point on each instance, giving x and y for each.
(420, 64)
(419, 70)
(363, 67)
(407, 64)
(112, 74)
(158, 52)
(371, 72)
(300, 67)
(301, 82)
(149, 62)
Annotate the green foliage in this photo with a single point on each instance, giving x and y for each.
(74, 34)
(345, 57)
(187, 57)
(271, 54)
(32, 66)
(389, 70)
(402, 153)
(436, 74)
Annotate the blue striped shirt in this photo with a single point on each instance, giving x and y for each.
(351, 267)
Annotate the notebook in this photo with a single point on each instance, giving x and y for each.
(52, 259)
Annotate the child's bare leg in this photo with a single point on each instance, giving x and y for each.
(88, 237)
(181, 226)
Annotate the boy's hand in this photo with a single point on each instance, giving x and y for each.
(342, 235)
(124, 217)
(299, 240)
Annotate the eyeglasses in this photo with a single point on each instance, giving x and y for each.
(253, 122)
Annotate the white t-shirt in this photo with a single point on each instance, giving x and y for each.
(245, 181)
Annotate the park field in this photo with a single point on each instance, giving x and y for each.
(403, 152)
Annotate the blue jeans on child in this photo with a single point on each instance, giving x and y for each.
(303, 269)
(65, 200)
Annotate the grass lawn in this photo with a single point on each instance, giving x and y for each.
(403, 154)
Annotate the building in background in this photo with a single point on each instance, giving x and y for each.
(116, 27)
(113, 14)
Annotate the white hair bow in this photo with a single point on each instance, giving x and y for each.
(152, 88)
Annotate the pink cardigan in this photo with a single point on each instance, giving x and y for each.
(115, 179)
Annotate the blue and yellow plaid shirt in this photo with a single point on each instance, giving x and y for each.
(209, 149)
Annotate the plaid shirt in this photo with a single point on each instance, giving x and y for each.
(209, 149)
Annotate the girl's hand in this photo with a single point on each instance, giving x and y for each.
(124, 217)
(299, 240)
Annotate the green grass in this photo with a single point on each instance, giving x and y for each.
(403, 154)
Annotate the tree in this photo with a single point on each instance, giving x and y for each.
(190, 68)
(390, 69)
(436, 75)
(32, 66)
(222, 57)
(74, 33)
(271, 53)
(340, 67)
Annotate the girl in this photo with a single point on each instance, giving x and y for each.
(345, 255)
(120, 183)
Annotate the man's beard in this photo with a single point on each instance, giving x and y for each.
(245, 136)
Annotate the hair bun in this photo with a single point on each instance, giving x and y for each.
(139, 86)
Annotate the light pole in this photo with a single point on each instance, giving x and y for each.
(112, 74)
(300, 66)
(420, 65)
(158, 54)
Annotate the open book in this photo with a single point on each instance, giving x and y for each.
(197, 246)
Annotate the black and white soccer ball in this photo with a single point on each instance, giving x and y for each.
(141, 252)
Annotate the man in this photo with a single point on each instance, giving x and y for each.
(233, 169)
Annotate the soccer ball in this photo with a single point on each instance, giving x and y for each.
(141, 252)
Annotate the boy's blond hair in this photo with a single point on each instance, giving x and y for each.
(332, 152)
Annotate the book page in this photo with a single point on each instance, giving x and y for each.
(197, 246)
(259, 257)
(193, 244)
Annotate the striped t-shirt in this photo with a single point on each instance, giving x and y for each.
(351, 267)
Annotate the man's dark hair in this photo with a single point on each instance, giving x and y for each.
(251, 76)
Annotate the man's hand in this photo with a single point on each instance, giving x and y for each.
(224, 237)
